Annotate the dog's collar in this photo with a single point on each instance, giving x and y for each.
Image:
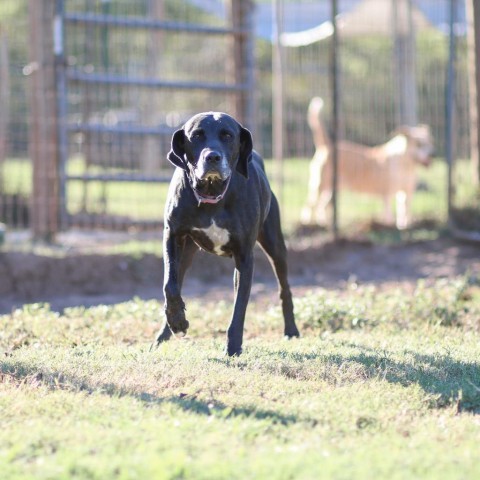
(201, 198)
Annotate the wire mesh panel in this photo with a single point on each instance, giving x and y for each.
(464, 172)
(134, 72)
(15, 169)
(126, 74)
(393, 58)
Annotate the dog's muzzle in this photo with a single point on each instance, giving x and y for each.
(425, 160)
(211, 177)
(205, 198)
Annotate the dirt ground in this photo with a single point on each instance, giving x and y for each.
(91, 279)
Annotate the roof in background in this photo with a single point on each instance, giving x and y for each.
(309, 14)
(359, 21)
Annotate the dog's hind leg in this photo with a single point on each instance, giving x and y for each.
(322, 210)
(308, 214)
(325, 194)
(186, 253)
(402, 209)
(273, 244)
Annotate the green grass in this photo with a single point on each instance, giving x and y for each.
(383, 384)
(146, 201)
(430, 202)
(17, 176)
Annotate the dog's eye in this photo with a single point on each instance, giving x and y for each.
(227, 135)
(197, 135)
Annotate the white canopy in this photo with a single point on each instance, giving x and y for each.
(369, 16)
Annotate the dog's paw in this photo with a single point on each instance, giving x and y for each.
(178, 323)
(233, 351)
(292, 333)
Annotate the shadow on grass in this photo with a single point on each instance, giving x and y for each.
(448, 381)
(55, 380)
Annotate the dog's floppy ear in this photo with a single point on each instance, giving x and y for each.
(177, 151)
(245, 151)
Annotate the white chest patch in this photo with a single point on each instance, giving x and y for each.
(218, 236)
(397, 146)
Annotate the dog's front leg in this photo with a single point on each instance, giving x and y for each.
(242, 280)
(174, 306)
(387, 210)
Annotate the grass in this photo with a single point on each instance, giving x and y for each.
(383, 384)
(429, 202)
(145, 201)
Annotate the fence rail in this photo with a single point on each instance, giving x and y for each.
(99, 140)
(121, 177)
(119, 129)
(151, 24)
(110, 79)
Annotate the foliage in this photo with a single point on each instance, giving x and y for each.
(447, 304)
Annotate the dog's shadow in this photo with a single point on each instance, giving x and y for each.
(54, 379)
(447, 381)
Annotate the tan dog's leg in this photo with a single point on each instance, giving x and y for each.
(309, 211)
(321, 214)
(402, 207)
(388, 210)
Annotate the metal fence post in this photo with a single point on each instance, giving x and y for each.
(43, 129)
(449, 106)
(404, 62)
(278, 98)
(473, 18)
(335, 115)
(5, 102)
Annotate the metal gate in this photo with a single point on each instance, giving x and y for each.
(127, 75)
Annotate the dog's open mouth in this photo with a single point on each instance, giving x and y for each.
(425, 161)
(210, 190)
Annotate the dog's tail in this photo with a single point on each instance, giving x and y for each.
(320, 136)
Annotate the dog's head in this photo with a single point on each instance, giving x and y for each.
(210, 147)
(419, 143)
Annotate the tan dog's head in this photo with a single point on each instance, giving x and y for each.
(419, 143)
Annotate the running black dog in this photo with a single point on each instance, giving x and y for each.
(220, 200)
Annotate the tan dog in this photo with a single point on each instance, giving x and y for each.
(386, 170)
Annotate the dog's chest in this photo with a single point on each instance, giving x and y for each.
(212, 238)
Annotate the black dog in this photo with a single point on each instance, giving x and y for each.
(219, 200)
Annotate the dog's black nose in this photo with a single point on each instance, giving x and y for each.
(213, 157)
